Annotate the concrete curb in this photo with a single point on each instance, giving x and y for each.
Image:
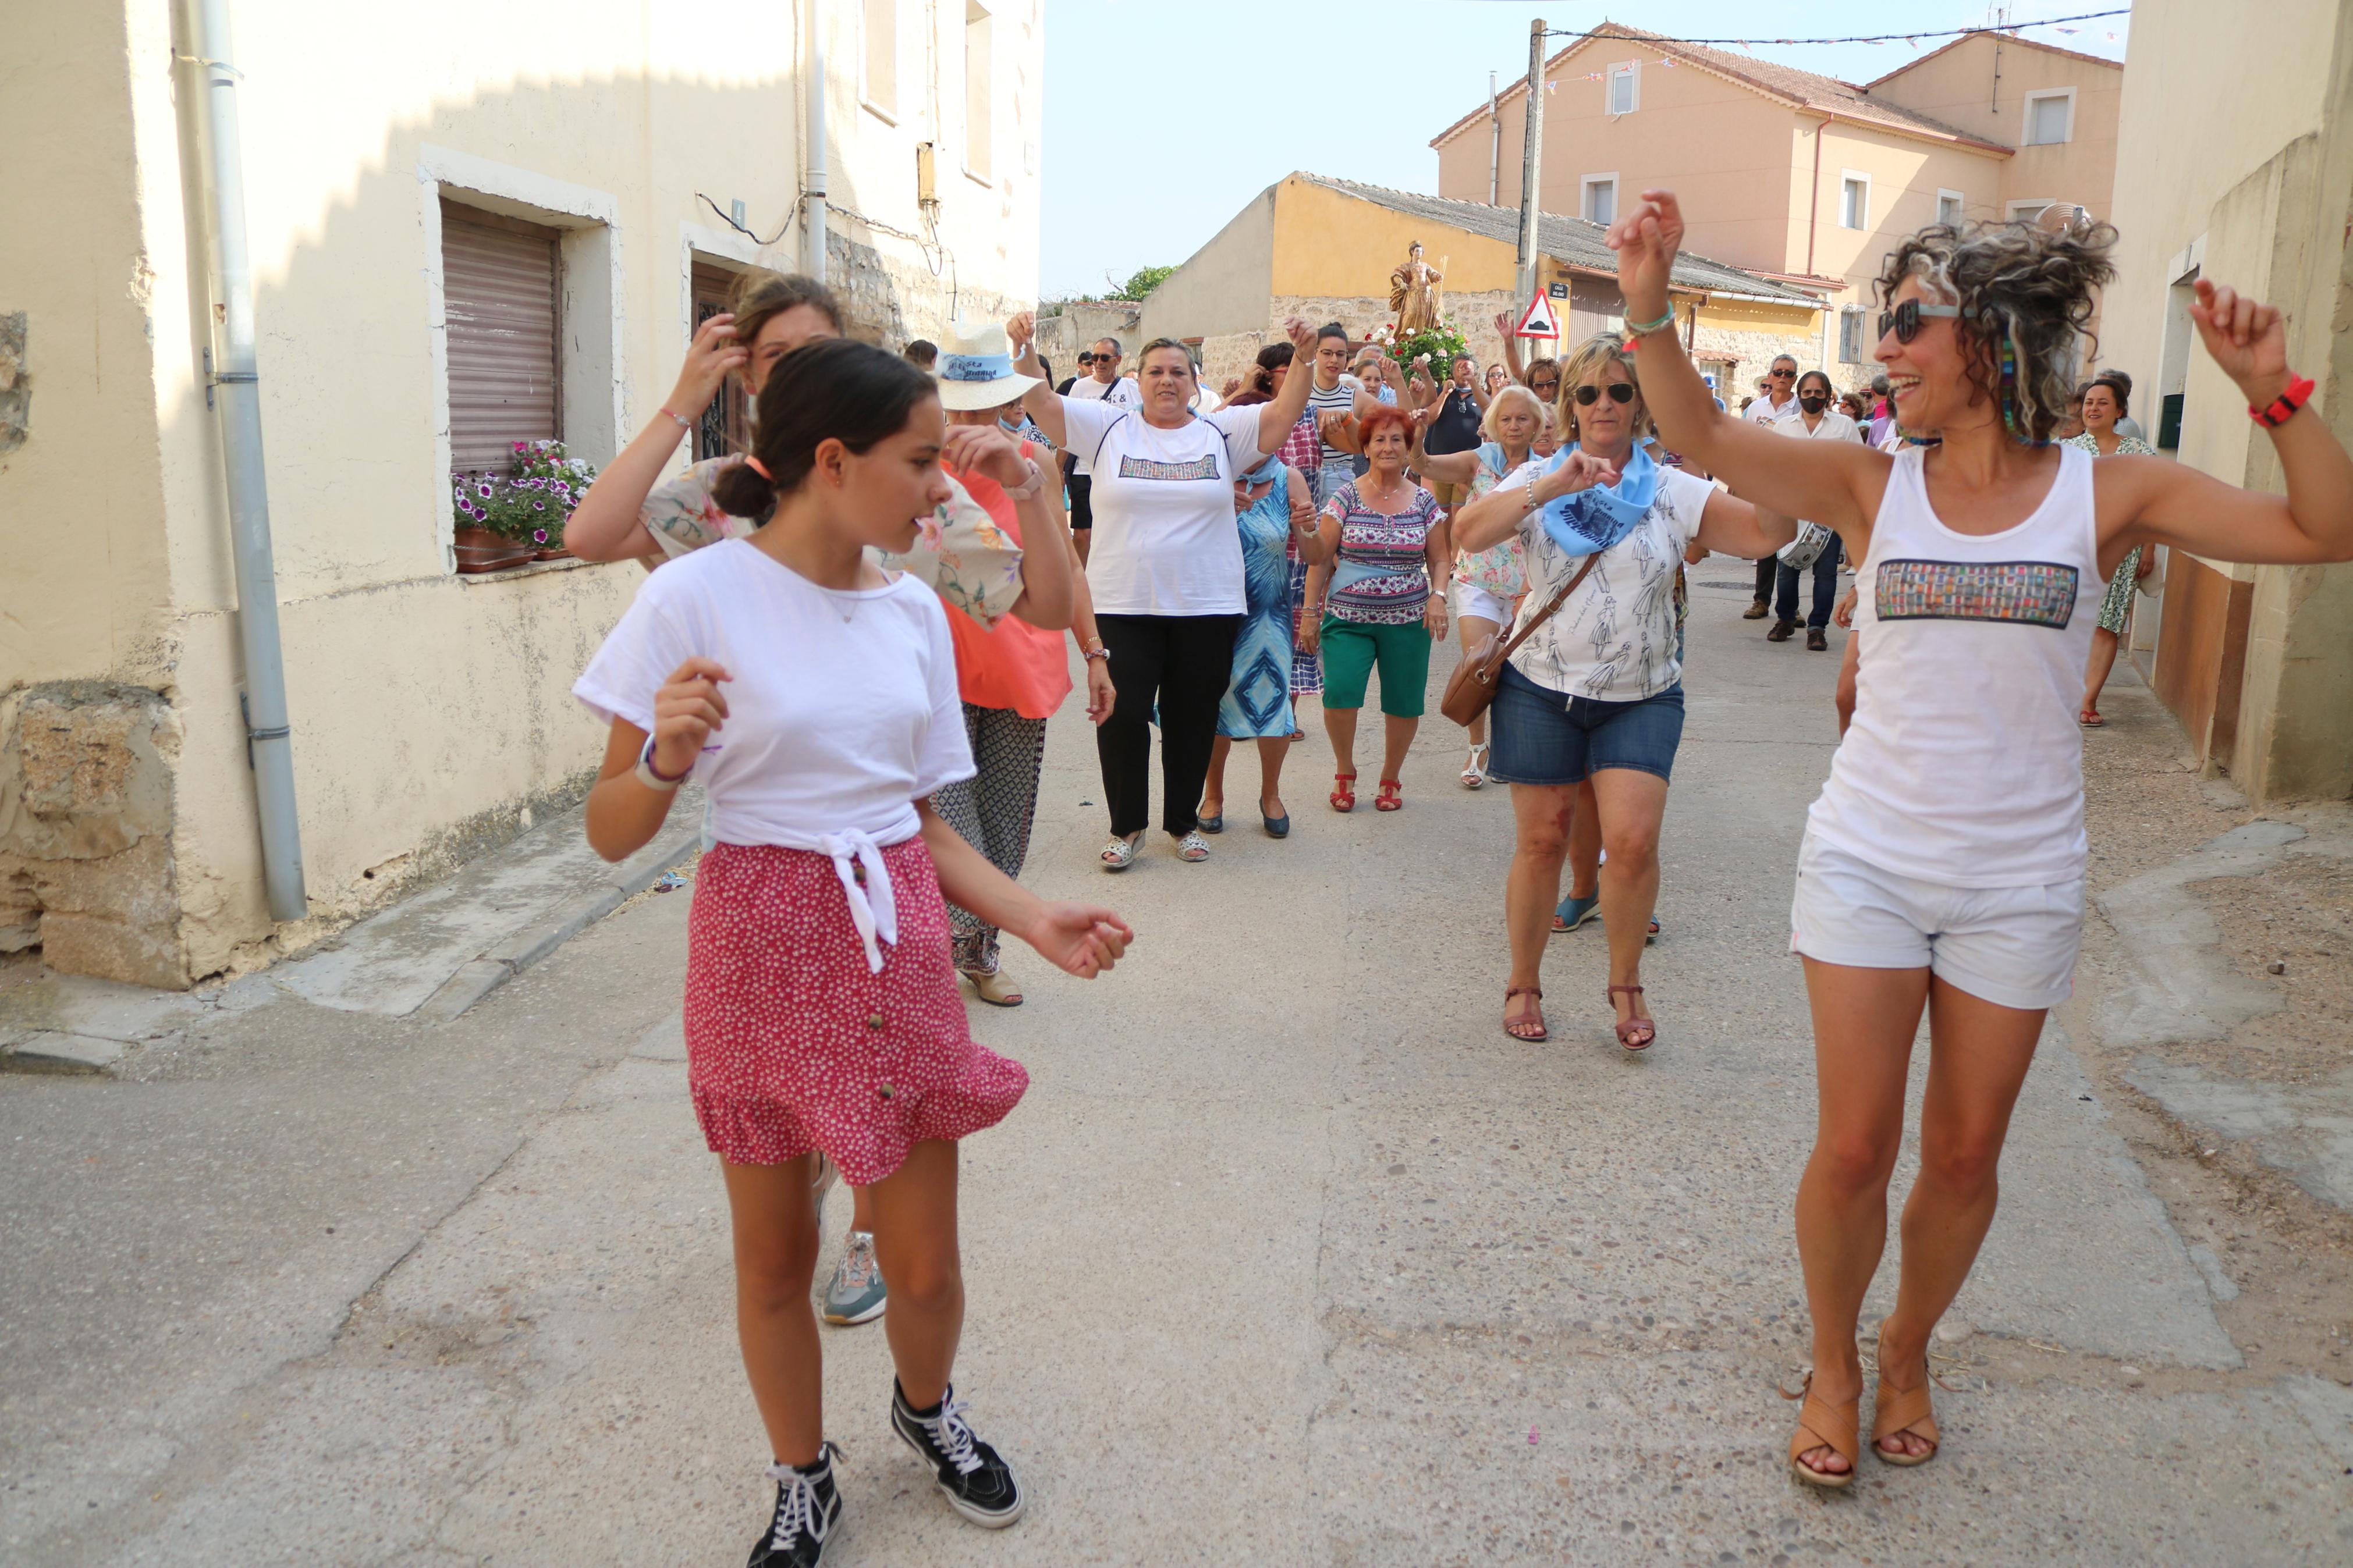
(499, 964)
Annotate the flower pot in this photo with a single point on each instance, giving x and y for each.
(480, 549)
(552, 553)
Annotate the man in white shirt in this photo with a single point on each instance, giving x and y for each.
(1102, 380)
(1778, 406)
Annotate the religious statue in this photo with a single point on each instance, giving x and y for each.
(1413, 293)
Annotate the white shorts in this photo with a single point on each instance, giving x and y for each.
(2015, 947)
(1471, 601)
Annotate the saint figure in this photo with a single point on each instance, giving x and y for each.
(1413, 293)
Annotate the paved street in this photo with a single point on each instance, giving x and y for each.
(1291, 1256)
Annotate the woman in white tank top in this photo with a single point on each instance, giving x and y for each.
(1942, 865)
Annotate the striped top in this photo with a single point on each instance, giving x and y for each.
(1380, 576)
(1340, 399)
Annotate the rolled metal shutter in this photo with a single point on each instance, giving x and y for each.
(499, 282)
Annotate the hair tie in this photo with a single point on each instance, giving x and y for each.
(760, 469)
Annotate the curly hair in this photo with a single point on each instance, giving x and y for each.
(2021, 286)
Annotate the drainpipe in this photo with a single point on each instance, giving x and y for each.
(1814, 211)
(813, 224)
(236, 388)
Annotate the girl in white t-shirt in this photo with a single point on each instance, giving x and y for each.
(816, 697)
(1943, 865)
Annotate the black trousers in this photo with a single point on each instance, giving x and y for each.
(1183, 663)
(1767, 570)
(1825, 571)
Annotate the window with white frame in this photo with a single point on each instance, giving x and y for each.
(978, 107)
(1851, 330)
(2050, 117)
(1949, 208)
(1854, 200)
(2027, 209)
(1601, 198)
(877, 81)
(1625, 87)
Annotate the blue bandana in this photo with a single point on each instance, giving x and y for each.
(1592, 520)
(1266, 472)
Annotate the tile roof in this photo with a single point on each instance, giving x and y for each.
(1800, 89)
(2011, 39)
(1575, 240)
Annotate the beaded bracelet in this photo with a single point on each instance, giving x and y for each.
(1644, 329)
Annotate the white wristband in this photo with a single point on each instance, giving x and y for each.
(653, 780)
(1036, 482)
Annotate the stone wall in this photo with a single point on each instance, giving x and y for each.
(16, 387)
(1078, 322)
(86, 864)
(1751, 352)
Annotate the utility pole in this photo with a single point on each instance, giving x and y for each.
(1531, 144)
(1495, 149)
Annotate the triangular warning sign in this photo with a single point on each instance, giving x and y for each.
(1538, 321)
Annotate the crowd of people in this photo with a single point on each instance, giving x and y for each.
(927, 535)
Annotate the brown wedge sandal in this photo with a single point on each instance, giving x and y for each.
(1535, 1020)
(1901, 1410)
(1822, 1424)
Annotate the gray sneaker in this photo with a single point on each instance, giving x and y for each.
(854, 1294)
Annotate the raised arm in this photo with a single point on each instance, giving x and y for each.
(1441, 468)
(1046, 600)
(1276, 418)
(1835, 483)
(606, 524)
(1510, 330)
(2152, 500)
(1042, 402)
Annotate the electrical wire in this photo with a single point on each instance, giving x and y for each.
(1859, 38)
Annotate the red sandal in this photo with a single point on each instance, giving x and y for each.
(1646, 1027)
(1535, 1019)
(1389, 799)
(1343, 797)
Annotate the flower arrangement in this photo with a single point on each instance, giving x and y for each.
(532, 501)
(1440, 343)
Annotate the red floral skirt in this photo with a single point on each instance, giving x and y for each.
(792, 1044)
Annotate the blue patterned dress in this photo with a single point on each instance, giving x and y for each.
(1258, 703)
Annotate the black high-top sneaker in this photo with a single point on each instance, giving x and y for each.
(808, 1505)
(978, 1483)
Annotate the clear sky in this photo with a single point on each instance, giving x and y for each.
(1164, 117)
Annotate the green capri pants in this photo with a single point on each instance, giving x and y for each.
(1351, 648)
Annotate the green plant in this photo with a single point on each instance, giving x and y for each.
(533, 500)
(1440, 343)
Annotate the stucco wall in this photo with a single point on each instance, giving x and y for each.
(427, 710)
(1222, 287)
(1959, 87)
(2254, 199)
(1329, 243)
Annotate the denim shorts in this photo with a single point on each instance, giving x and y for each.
(1547, 737)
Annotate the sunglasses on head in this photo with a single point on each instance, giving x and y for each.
(1587, 397)
(1905, 320)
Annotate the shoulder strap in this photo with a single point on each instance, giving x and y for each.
(1541, 616)
(1096, 456)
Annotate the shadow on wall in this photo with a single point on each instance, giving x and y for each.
(432, 715)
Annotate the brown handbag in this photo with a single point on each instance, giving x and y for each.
(1471, 688)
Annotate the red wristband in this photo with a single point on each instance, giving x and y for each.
(2283, 407)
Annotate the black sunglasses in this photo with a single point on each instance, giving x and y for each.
(1905, 320)
(1587, 397)
(1778, 374)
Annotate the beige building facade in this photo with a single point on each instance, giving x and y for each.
(2256, 661)
(636, 153)
(1800, 177)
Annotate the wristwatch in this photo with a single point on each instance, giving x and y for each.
(653, 778)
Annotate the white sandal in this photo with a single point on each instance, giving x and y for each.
(1193, 849)
(1473, 774)
(1120, 853)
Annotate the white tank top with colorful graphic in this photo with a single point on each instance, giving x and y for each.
(1964, 765)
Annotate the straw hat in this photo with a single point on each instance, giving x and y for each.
(975, 368)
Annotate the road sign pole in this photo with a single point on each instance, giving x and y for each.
(1531, 147)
